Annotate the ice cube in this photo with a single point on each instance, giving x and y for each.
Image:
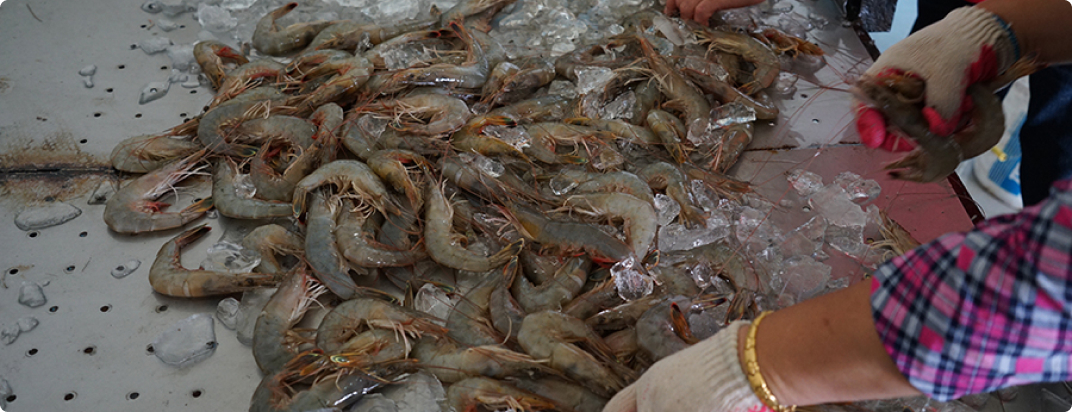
(230, 258)
(708, 322)
(433, 301)
(249, 308)
(51, 214)
(805, 240)
(860, 190)
(31, 295)
(630, 282)
(375, 402)
(666, 209)
(702, 275)
(152, 6)
(420, 391)
(244, 187)
(5, 391)
(88, 70)
(227, 313)
(564, 88)
(27, 323)
(372, 125)
(155, 44)
(216, 19)
(785, 85)
(679, 237)
(166, 24)
(187, 342)
(802, 277)
(834, 204)
(177, 76)
(153, 91)
(125, 269)
(794, 25)
(487, 165)
(592, 78)
(182, 56)
(9, 334)
(804, 182)
(101, 194)
(848, 240)
(622, 107)
(562, 184)
(733, 113)
(817, 20)
(615, 29)
(517, 137)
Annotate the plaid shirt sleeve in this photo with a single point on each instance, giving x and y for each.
(978, 311)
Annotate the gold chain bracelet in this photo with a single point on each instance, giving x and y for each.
(751, 370)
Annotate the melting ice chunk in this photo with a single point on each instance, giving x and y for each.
(27, 323)
(187, 342)
(433, 301)
(249, 308)
(859, 189)
(49, 215)
(153, 91)
(9, 334)
(88, 70)
(785, 85)
(166, 24)
(244, 187)
(101, 194)
(564, 88)
(837, 207)
(802, 277)
(420, 391)
(630, 282)
(182, 56)
(125, 269)
(804, 182)
(215, 18)
(155, 44)
(666, 209)
(679, 237)
(231, 258)
(227, 313)
(31, 295)
(593, 78)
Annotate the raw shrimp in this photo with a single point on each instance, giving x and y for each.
(134, 209)
(270, 240)
(371, 347)
(272, 343)
(144, 153)
(348, 35)
(296, 131)
(168, 277)
(243, 77)
(451, 362)
(231, 204)
(784, 43)
(506, 314)
(664, 176)
(351, 74)
(273, 41)
(329, 394)
(568, 236)
(223, 121)
(623, 343)
(509, 83)
(472, 393)
(468, 319)
(567, 394)
(633, 133)
(617, 182)
(733, 142)
(391, 166)
(322, 252)
(272, 185)
(470, 138)
(553, 336)
(621, 316)
(442, 244)
(640, 224)
(212, 55)
(358, 246)
(604, 295)
(427, 114)
(547, 108)
(466, 8)
(347, 319)
(670, 131)
(655, 329)
(470, 74)
(303, 63)
(552, 294)
(346, 175)
(681, 93)
(750, 49)
(381, 54)
(726, 93)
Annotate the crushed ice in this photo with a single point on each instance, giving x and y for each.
(51, 214)
(187, 341)
(126, 268)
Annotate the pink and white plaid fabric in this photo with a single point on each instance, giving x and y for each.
(978, 311)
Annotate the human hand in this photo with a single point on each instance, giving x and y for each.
(701, 11)
(705, 377)
(970, 45)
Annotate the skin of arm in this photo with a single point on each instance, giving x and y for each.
(1041, 26)
(826, 350)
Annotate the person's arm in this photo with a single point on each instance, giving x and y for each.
(1043, 27)
(826, 350)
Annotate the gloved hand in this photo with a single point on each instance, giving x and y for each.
(706, 377)
(969, 45)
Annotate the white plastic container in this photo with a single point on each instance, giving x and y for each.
(1001, 177)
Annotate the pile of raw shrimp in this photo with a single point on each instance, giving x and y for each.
(457, 217)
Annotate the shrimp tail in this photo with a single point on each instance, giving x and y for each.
(191, 235)
(681, 325)
(199, 207)
(513, 249)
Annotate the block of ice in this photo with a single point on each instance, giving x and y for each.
(433, 301)
(9, 334)
(216, 19)
(182, 56)
(155, 44)
(802, 277)
(153, 91)
(187, 341)
(375, 402)
(834, 204)
(630, 281)
(679, 237)
(592, 78)
(420, 391)
(227, 313)
(249, 307)
(27, 323)
(622, 107)
(785, 85)
(230, 258)
(860, 190)
(805, 240)
(88, 70)
(564, 88)
(166, 24)
(31, 295)
(804, 182)
(48, 215)
(666, 209)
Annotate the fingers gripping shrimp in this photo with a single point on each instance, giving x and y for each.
(230, 204)
(212, 55)
(134, 209)
(349, 318)
(346, 175)
(553, 336)
(168, 277)
(322, 252)
(144, 153)
(271, 346)
(472, 393)
(442, 244)
(551, 295)
(273, 41)
(271, 240)
(451, 362)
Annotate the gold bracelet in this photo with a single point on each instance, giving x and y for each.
(751, 370)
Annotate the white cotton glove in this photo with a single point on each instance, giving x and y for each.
(706, 377)
(968, 46)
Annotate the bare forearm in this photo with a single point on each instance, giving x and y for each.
(826, 350)
(1041, 26)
